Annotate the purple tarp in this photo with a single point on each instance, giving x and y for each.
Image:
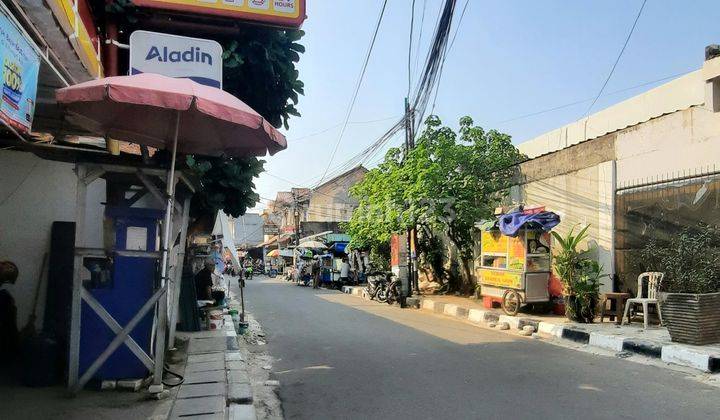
(511, 223)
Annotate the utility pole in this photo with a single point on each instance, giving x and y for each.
(412, 232)
(296, 219)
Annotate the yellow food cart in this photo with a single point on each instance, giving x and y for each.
(514, 269)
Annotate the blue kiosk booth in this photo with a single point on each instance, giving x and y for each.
(121, 283)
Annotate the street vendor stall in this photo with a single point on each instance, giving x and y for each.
(514, 264)
(182, 117)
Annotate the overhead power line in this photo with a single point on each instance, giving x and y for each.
(410, 43)
(617, 60)
(357, 90)
(567, 105)
(317, 133)
(442, 66)
(435, 56)
(420, 33)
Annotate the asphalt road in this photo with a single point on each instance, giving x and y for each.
(341, 357)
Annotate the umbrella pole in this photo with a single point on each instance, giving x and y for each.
(167, 228)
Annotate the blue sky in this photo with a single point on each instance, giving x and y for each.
(510, 58)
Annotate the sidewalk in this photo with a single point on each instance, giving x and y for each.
(627, 339)
(216, 383)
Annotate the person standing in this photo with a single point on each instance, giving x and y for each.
(203, 281)
(345, 272)
(315, 272)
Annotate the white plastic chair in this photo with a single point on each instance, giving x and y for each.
(654, 279)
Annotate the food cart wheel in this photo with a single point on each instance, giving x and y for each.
(511, 302)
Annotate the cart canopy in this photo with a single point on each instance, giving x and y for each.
(511, 223)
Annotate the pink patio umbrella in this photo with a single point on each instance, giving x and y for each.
(169, 113)
(151, 110)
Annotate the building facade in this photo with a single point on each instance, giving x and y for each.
(328, 204)
(637, 170)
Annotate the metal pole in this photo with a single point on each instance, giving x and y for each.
(167, 228)
(242, 301)
(74, 350)
(413, 231)
(177, 277)
(411, 239)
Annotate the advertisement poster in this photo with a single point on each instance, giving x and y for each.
(20, 67)
(494, 242)
(516, 252)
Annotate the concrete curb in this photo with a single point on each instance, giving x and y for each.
(677, 354)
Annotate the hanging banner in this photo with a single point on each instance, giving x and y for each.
(176, 56)
(283, 13)
(20, 66)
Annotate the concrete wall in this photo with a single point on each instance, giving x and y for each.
(681, 93)
(580, 197)
(33, 194)
(682, 141)
(579, 182)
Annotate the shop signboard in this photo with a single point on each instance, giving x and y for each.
(282, 13)
(20, 68)
(176, 56)
(500, 278)
(270, 230)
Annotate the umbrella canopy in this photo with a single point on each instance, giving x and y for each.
(312, 245)
(274, 253)
(149, 109)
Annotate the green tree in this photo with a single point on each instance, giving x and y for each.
(449, 181)
(259, 68)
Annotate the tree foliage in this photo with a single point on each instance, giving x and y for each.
(449, 181)
(259, 68)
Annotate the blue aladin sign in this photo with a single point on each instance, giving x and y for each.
(20, 67)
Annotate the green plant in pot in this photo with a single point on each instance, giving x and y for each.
(580, 276)
(690, 291)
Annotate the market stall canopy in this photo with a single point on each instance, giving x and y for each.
(149, 108)
(312, 245)
(281, 238)
(339, 246)
(306, 238)
(274, 253)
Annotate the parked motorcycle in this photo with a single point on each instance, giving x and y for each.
(394, 291)
(376, 287)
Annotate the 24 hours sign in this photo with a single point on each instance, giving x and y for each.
(282, 13)
(20, 66)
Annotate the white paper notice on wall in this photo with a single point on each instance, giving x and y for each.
(136, 239)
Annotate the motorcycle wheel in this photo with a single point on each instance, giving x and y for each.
(382, 295)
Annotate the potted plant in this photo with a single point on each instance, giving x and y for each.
(690, 291)
(580, 276)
